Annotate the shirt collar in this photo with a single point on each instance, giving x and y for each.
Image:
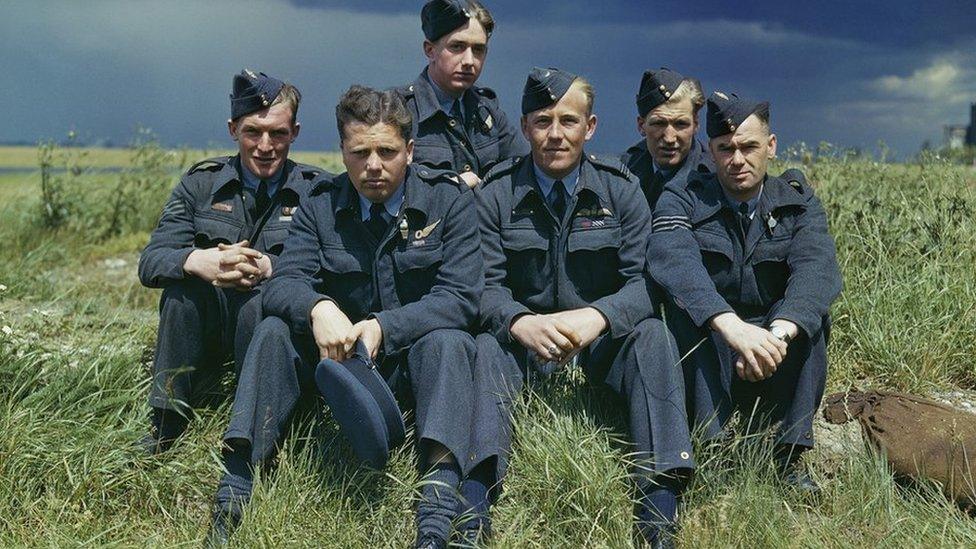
(546, 183)
(752, 202)
(444, 99)
(252, 181)
(668, 173)
(392, 204)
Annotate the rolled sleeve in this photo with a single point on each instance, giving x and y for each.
(161, 262)
(291, 294)
(632, 302)
(674, 260)
(815, 279)
(498, 306)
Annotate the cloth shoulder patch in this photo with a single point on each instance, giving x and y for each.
(309, 172)
(209, 165)
(486, 92)
(612, 165)
(434, 175)
(502, 169)
(797, 180)
(322, 182)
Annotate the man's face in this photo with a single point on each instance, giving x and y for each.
(455, 59)
(557, 133)
(741, 157)
(669, 130)
(376, 158)
(263, 138)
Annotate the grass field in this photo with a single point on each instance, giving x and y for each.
(78, 332)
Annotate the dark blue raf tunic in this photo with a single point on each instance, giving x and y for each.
(199, 324)
(785, 267)
(593, 257)
(421, 282)
(639, 161)
(479, 139)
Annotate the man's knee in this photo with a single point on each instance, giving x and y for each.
(191, 296)
(445, 353)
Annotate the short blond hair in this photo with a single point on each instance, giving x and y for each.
(289, 95)
(689, 88)
(584, 86)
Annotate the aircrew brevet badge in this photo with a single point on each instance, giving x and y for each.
(425, 232)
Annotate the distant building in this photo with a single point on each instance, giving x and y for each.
(956, 136)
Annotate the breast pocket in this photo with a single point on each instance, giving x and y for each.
(417, 270)
(593, 262)
(212, 230)
(772, 272)
(347, 278)
(486, 149)
(526, 251)
(433, 153)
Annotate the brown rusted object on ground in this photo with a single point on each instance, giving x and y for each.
(920, 438)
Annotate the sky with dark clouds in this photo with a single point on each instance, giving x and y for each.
(851, 73)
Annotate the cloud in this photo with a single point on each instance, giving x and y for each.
(938, 81)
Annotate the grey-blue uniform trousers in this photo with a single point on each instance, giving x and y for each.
(594, 257)
(199, 324)
(785, 267)
(639, 161)
(421, 282)
(475, 144)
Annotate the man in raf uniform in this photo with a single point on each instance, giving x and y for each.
(456, 125)
(563, 234)
(218, 238)
(667, 117)
(386, 254)
(748, 259)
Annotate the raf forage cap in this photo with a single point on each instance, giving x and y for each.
(253, 92)
(726, 112)
(544, 87)
(439, 17)
(656, 87)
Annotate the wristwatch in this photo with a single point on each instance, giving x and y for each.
(780, 333)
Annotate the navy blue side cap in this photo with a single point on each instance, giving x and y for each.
(253, 92)
(439, 17)
(656, 87)
(544, 87)
(726, 112)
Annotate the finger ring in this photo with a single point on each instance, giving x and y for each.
(553, 350)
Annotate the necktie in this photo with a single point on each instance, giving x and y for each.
(261, 200)
(744, 219)
(557, 199)
(377, 223)
(456, 112)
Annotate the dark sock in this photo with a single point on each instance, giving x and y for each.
(235, 487)
(658, 509)
(439, 500)
(787, 455)
(476, 493)
(169, 424)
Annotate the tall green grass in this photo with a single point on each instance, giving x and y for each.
(74, 374)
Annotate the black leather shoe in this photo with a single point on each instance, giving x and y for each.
(226, 519)
(430, 541)
(153, 445)
(654, 536)
(474, 532)
(801, 481)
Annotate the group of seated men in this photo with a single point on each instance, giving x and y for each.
(454, 262)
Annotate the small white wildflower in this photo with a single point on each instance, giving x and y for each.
(3, 288)
(7, 330)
